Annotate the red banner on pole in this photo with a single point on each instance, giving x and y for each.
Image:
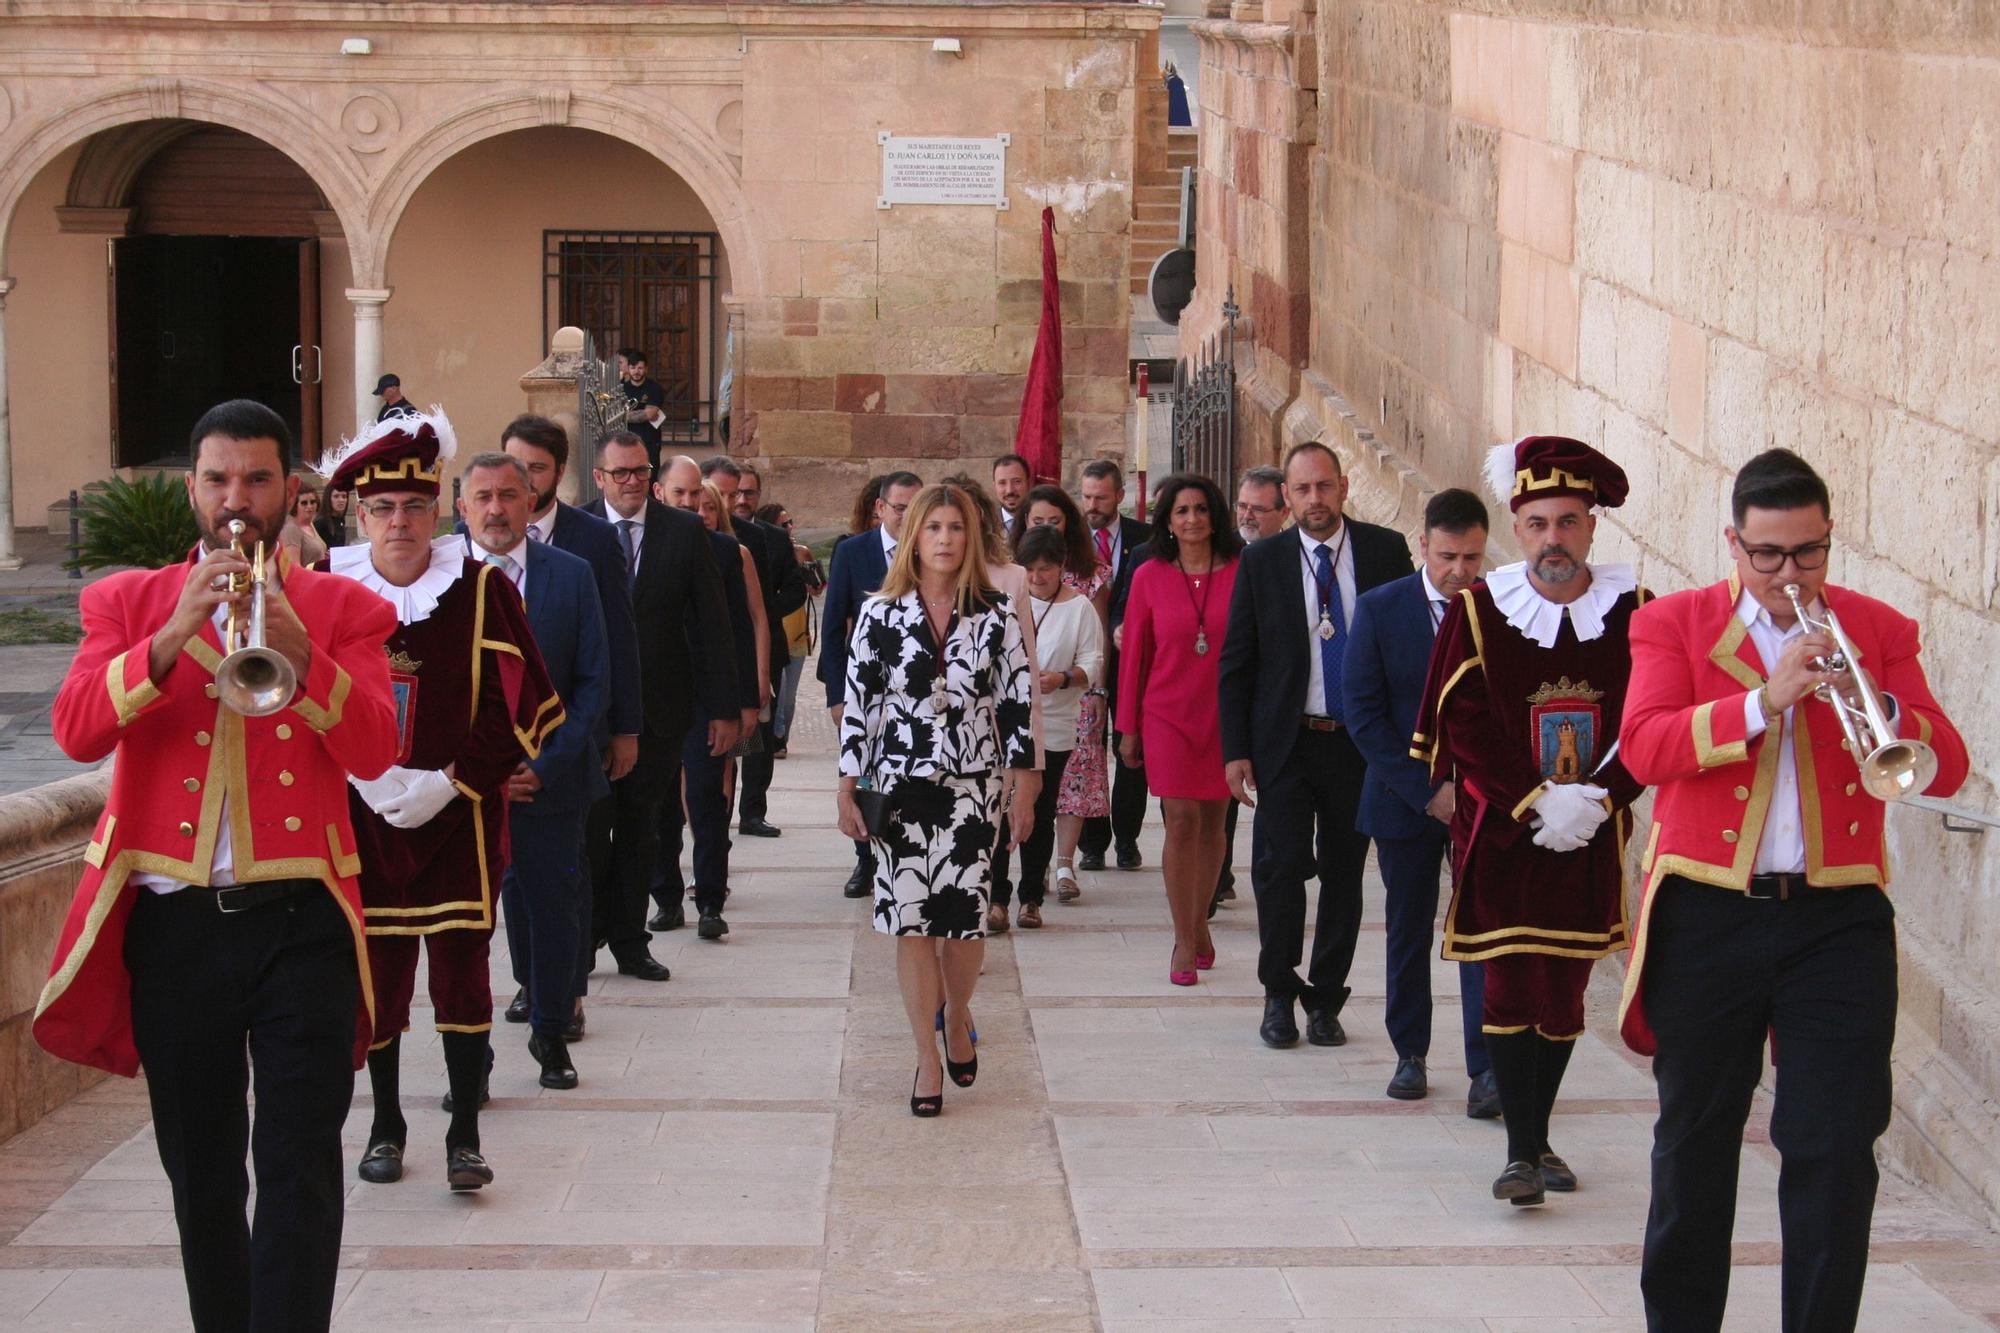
(1039, 436)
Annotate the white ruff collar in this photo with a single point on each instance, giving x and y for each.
(1541, 619)
(417, 601)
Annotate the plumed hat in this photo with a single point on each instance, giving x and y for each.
(398, 454)
(1549, 467)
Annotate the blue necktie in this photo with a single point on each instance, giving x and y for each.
(1331, 654)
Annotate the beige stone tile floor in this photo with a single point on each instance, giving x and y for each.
(740, 1157)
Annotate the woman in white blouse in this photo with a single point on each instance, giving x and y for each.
(1069, 638)
(938, 710)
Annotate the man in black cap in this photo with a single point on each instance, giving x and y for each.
(390, 390)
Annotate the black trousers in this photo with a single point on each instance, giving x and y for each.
(1817, 974)
(1040, 846)
(753, 775)
(546, 896)
(1410, 868)
(283, 978)
(1128, 808)
(708, 813)
(622, 837)
(1304, 826)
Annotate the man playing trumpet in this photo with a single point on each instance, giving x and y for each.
(1764, 910)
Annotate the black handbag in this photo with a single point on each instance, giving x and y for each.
(877, 810)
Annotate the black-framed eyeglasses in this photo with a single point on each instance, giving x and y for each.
(1255, 511)
(621, 475)
(1771, 559)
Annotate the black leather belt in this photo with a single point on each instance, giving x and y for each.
(1778, 888)
(1314, 722)
(243, 897)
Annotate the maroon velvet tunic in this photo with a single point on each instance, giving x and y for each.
(1506, 716)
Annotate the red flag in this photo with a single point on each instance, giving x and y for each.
(1039, 436)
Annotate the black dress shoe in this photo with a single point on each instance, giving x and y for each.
(1520, 1184)
(465, 1169)
(552, 1054)
(859, 884)
(1410, 1082)
(517, 1008)
(574, 1031)
(759, 828)
(1323, 1028)
(1280, 1029)
(1129, 858)
(711, 926)
(382, 1164)
(1556, 1174)
(1482, 1099)
(1090, 860)
(1226, 894)
(668, 918)
(485, 1094)
(645, 967)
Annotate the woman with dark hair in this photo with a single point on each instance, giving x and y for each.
(797, 629)
(936, 714)
(1051, 507)
(861, 518)
(1175, 618)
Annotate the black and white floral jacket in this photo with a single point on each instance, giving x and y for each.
(893, 728)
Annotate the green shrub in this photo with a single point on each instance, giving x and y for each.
(146, 523)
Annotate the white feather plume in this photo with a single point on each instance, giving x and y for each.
(1499, 470)
(331, 460)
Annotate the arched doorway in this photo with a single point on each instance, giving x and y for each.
(215, 285)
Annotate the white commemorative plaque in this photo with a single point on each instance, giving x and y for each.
(920, 169)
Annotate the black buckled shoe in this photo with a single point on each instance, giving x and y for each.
(382, 1164)
(1556, 1174)
(466, 1170)
(758, 828)
(859, 884)
(1410, 1082)
(645, 967)
(552, 1054)
(517, 1008)
(1482, 1099)
(485, 1094)
(1129, 858)
(1323, 1028)
(711, 926)
(1090, 860)
(1280, 1028)
(1520, 1184)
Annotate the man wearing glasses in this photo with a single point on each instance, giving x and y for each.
(1260, 503)
(1764, 912)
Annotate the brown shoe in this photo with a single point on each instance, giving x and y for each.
(996, 920)
(1031, 916)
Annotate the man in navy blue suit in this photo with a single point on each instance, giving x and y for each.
(859, 566)
(1388, 659)
(545, 892)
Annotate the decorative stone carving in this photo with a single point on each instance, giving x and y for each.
(555, 106)
(370, 121)
(729, 126)
(163, 98)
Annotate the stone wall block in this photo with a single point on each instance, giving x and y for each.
(837, 268)
(1736, 426)
(908, 437)
(1538, 307)
(1537, 204)
(960, 300)
(1614, 224)
(1929, 522)
(779, 155)
(806, 434)
(924, 394)
(922, 242)
(1687, 386)
(1094, 113)
(1952, 339)
(860, 394)
(1958, 647)
(1790, 281)
(1546, 403)
(1867, 296)
(1836, 434)
(993, 395)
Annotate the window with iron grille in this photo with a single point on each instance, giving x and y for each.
(655, 290)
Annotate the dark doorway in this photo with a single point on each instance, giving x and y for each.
(197, 320)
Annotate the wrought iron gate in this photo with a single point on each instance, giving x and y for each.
(1205, 405)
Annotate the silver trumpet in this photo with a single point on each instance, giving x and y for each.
(253, 680)
(1891, 768)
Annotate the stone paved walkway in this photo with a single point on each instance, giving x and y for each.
(740, 1156)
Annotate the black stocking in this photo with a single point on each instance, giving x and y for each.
(1513, 1056)
(465, 1055)
(385, 1079)
(1551, 1061)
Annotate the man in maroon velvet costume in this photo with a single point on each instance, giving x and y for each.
(472, 701)
(1522, 708)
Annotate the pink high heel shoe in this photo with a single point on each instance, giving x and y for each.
(1204, 961)
(1183, 978)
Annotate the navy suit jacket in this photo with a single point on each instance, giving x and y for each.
(859, 566)
(1382, 685)
(593, 539)
(568, 625)
(729, 560)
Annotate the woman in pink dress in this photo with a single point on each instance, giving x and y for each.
(1175, 618)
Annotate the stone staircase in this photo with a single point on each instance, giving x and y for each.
(1156, 207)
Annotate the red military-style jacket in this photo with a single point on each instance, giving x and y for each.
(1693, 663)
(179, 753)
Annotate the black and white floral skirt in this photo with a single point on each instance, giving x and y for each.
(934, 868)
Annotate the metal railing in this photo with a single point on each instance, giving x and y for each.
(1204, 421)
(1956, 818)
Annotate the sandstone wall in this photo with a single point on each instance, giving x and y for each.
(42, 837)
(1688, 233)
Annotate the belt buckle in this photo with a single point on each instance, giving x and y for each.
(222, 900)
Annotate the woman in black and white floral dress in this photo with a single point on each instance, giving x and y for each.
(938, 708)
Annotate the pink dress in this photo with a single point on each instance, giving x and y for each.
(1086, 780)
(1166, 689)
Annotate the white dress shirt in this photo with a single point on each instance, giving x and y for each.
(543, 529)
(517, 570)
(888, 546)
(1782, 849)
(1343, 573)
(222, 865)
(1437, 601)
(636, 525)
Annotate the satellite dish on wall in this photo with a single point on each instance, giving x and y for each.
(1171, 284)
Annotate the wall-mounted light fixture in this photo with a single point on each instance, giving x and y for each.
(356, 46)
(947, 46)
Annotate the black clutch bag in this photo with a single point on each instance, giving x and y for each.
(877, 810)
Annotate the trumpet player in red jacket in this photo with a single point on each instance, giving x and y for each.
(1764, 909)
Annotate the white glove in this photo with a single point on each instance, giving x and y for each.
(1568, 814)
(378, 792)
(429, 792)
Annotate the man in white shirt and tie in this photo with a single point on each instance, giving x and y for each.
(1011, 482)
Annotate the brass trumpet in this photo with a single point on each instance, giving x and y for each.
(252, 679)
(1891, 768)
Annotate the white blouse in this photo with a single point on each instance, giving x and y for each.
(1071, 637)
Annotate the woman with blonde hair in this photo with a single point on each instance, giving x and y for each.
(938, 710)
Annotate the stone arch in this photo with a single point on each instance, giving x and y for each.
(683, 146)
(277, 123)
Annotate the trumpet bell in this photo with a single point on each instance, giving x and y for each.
(255, 681)
(1899, 769)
